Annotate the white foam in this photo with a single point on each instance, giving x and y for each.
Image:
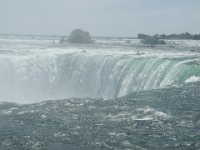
(192, 79)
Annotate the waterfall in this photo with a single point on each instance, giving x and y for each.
(81, 74)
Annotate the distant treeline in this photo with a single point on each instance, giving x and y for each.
(185, 35)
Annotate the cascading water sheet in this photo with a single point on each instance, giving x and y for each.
(35, 70)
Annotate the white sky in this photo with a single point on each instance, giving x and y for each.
(99, 17)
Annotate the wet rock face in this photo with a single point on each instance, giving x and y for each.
(79, 36)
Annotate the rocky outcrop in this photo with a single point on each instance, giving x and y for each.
(79, 36)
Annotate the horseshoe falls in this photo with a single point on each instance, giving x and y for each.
(36, 70)
(107, 95)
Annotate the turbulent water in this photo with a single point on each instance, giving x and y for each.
(164, 119)
(116, 94)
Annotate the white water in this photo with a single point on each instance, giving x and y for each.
(34, 70)
(192, 79)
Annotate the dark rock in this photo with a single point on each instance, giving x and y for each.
(154, 40)
(79, 36)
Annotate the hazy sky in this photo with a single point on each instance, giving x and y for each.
(99, 17)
